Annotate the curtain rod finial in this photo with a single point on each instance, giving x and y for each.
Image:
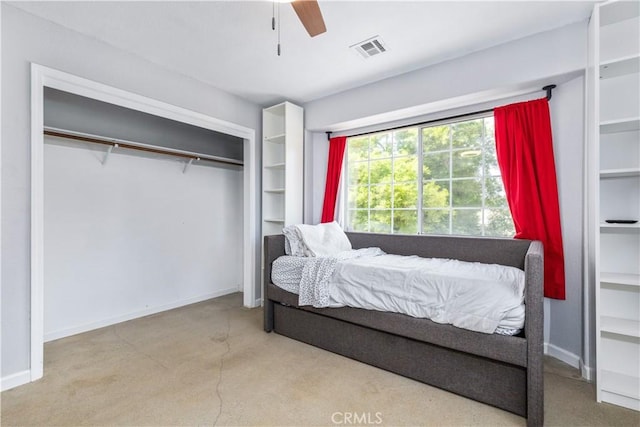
(549, 88)
(328, 135)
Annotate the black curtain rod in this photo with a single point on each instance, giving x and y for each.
(548, 89)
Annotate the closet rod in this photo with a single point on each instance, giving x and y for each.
(60, 133)
(547, 89)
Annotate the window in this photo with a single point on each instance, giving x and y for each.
(437, 179)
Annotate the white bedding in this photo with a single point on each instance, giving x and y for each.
(481, 297)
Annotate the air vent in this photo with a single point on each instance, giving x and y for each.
(370, 47)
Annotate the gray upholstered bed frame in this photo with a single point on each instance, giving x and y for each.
(503, 371)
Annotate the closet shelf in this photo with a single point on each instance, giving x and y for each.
(619, 173)
(131, 145)
(616, 325)
(620, 66)
(620, 125)
(620, 279)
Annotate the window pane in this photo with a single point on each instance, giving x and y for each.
(405, 222)
(358, 197)
(467, 134)
(380, 221)
(436, 165)
(467, 222)
(405, 195)
(489, 131)
(467, 163)
(358, 220)
(358, 148)
(380, 197)
(405, 169)
(435, 221)
(358, 173)
(435, 138)
(491, 161)
(467, 192)
(435, 194)
(495, 195)
(380, 171)
(381, 145)
(498, 223)
(406, 142)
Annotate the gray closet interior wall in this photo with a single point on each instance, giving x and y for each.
(72, 112)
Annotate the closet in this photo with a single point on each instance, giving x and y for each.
(614, 197)
(141, 214)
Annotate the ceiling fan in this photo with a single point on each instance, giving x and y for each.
(310, 15)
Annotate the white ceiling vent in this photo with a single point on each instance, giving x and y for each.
(370, 47)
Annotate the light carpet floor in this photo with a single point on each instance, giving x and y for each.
(212, 364)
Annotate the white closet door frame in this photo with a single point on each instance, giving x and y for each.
(42, 77)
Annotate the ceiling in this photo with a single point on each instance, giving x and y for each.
(230, 44)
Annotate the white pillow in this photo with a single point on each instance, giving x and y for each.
(293, 243)
(323, 239)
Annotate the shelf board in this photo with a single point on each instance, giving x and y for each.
(620, 125)
(275, 190)
(620, 67)
(275, 166)
(277, 220)
(619, 173)
(620, 278)
(613, 12)
(619, 227)
(616, 325)
(622, 384)
(276, 139)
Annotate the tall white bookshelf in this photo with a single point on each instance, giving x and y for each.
(282, 167)
(614, 194)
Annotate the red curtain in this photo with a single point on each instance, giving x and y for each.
(334, 169)
(525, 156)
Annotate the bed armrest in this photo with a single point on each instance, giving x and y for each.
(534, 327)
(273, 248)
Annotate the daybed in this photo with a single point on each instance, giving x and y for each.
(503, 371)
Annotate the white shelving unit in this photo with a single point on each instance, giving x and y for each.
(614, 194)
(282, 167)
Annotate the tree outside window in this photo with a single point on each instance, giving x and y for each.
(439, 179)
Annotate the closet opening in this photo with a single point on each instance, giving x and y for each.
(138, 207)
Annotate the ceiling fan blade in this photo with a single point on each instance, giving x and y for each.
(310, 15)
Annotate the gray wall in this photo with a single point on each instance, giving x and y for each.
(68, 111)
(558, 56)
(27, 39)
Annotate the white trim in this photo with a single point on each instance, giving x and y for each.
(15, 380)
(62, 333)
(563, 355)
(588, 373)
(37, 222)
(42, 76)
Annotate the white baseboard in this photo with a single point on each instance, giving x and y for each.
(588, 373)
(14, 380)
(563, 355)
(62, 333)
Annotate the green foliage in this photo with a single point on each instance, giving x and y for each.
(459, 170)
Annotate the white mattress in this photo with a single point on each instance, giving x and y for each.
(482, 297)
